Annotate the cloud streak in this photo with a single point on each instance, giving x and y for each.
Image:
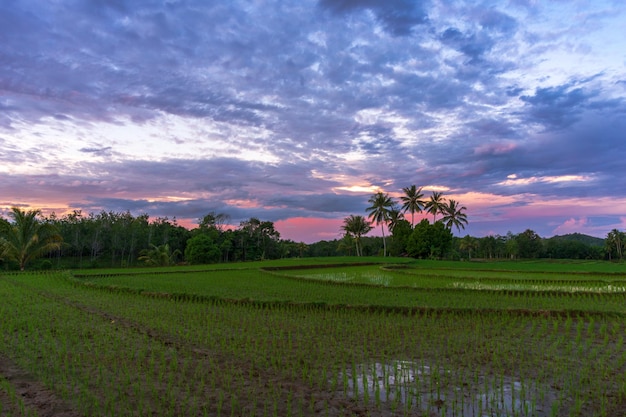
(299, 110)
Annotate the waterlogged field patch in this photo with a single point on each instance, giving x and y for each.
(360, 342)
(365, 277)
(432, 390)
(573, 277)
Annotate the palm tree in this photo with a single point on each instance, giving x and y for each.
(467, 244)
(435, 205)
(412, 201)
(395, 216)
(381, 204)
(355, 227)
(159, 255)
(27, 238)
(453, 215)
(301, 248)
(615, 240)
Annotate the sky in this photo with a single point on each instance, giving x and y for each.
(298, 111)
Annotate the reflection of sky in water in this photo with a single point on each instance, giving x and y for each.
(432, 389)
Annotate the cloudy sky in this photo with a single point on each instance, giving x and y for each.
(297, 111)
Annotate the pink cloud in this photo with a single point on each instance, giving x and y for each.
(494, 148)
(572, 225)
(309, 230)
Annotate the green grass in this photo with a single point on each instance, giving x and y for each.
(540, 265)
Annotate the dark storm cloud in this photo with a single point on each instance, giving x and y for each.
(230, 177)
(474, 46)
(592, 152)
(131, 60)
(397, 16)
(557, 107)
(157, 81)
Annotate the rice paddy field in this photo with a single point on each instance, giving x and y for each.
(327, 337)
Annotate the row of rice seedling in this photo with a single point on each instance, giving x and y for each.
(597, 287)
(543, 266)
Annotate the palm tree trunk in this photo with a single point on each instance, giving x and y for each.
(382, 229)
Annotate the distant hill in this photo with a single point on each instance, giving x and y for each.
(579, 237)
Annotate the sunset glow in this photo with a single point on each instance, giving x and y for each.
(297, 112)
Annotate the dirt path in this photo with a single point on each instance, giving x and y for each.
(28, 395)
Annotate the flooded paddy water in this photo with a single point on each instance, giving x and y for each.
(436, 391)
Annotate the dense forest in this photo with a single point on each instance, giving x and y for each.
(110, 239)
(119, 239)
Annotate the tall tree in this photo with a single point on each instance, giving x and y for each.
(412, 201)
(216, 220)
(302, 247)
(355, 227)
(429, 240)
(529, 244)
(202, 249)
(258, 239)
(615, 240)
(27, 238)
(395, 216)
(399, 237)
(381, 205)
(453, 215)
(468, 243)
(488, 246)
(435, 205)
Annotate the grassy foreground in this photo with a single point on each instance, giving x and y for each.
(398, 337)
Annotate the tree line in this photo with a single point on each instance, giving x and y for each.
(119, 239)
(525, 245)
(109, 239)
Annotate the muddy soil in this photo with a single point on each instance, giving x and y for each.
(28, 396)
